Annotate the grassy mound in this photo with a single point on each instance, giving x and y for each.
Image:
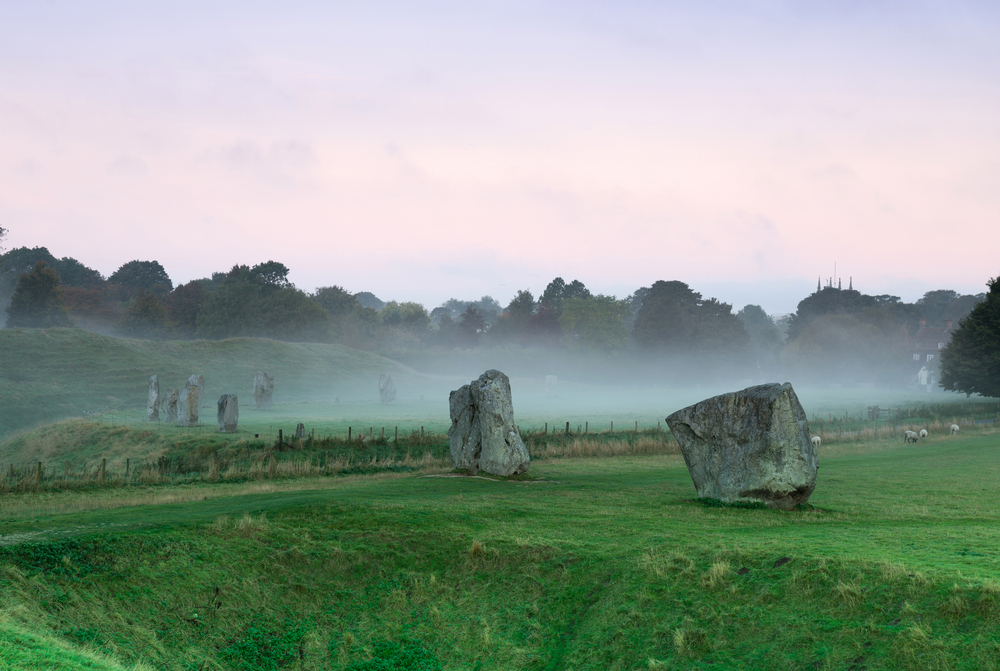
(51, 374)
(24, 650)
(598, 563)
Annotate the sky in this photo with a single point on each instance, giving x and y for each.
(424, 151)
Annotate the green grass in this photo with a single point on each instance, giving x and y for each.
(593, 564)
(50, 374)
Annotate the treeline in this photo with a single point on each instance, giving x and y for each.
(835, 335)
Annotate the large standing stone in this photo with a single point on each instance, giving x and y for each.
(169, 404)
(187, 405)
(386, 389)
(263, 387)
(750, 445)
(300, 430)
(153, 400)
(483, 435)
(199, 381)
(229, 413)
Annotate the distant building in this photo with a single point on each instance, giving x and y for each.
(925, 348)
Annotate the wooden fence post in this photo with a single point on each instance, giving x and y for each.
(567, 428)
(39, 474)
(586, 427)
(348, 434)
(637, 426)
(280, 439)
(421, 435)
(396, 439)
(612, 427)
(546, 428)
(128, 464)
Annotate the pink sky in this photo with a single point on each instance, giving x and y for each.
(743, 148)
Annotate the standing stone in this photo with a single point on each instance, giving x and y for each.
(187, 406)
(386, 389)
(263, 387)
(300, 431)
(750, 445)
(170, 404)
(483, 435)
(153, 400)
(229, 413)
(199, 381)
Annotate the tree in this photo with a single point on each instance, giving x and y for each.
(261, 302)
(336, 300)
(370, 300)
(182, 306)
(826, 301)
(471, 327)
(135, 277)
(970, 362)
(558, 291)
(764, 337)
(38, 300)
(596, 323)
(675, 320)
(145, 317)
(842, 348)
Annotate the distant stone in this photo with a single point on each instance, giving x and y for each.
(263, 387)
(229, 413)
(169, 405)
(153, 400)
(300, 431)
(483, 435)
(750, 445)
(199, 381)
(386, 389)
(187, 405)
(551, 384)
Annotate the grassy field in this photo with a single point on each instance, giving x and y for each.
(592, 563)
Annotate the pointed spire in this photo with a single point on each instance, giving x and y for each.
(850, 284)
(838, 284)
(817, 284)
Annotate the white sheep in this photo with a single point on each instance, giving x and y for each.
(954, 429)
(910, 437)
(923, 433)
(816, 441)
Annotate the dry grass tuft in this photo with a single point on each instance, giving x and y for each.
(248, 525)
(477, 551)
(849, 593)
(717, 575)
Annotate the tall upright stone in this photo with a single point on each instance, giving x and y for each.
(153, 400)
(169, 405)
(228, 413)
(751, 445)
(263, 387)
(386, 389)
(300, 430)
(199, 381)
(483, 434)
(187, 405)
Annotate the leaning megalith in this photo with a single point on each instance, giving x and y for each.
(187, 405)
(300, 430)
(199, 381)
(153, 400)
(483, 435)
(750, 445)
(169, 404)
(229, 413)
(263, 387)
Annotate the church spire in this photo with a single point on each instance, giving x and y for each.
(817, 284)
(850, 284)
(838, 284)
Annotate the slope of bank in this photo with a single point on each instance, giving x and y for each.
(51, 374)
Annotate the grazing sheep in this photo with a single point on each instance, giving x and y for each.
(910, 437)
(923, 433)
(954, 429)
(816, 441)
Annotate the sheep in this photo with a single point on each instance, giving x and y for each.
(954, 429)
(816, 441)
(910, 437)
(923, 433)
